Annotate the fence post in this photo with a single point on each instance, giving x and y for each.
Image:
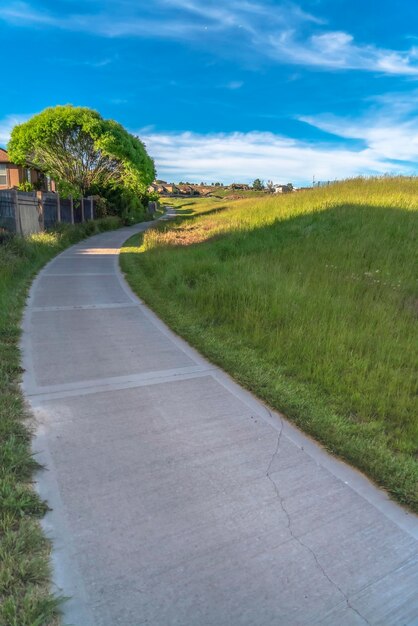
(40, 196)
(16, 211)
(72, 209)
(91, 207)
(82, 210)
(58, 208)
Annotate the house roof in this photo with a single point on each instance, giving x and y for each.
(4, 157)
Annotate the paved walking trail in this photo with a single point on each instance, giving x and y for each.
(177, 498)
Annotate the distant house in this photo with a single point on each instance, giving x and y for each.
(166, 189)
(156, 187)
(283, 189)
(239, 186)
(12, 175)
(188, 190)
(185, 190)
(171, 189)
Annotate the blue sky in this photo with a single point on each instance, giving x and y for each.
(229, 90)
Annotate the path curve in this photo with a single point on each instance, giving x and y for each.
(177, 498)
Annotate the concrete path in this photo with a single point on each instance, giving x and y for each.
(177, 498)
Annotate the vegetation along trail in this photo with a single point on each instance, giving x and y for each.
(309, 300)
(25, 593)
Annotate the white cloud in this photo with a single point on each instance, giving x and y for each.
(337, 50)
(100, 63)
(244, 156)
(389, 128)
(234, 84)
(7, 124)
(102, 24)
(386, 141)
(272, 31)
(22, 12)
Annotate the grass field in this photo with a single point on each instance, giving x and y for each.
(244, 193)
(25, 598)
(311, 301)
(218, 194)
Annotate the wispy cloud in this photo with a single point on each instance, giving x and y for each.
(389, 128)
(338, 51)
(23, 14)
(118, 101)
(99, 63)
(234, 84)
(283, 33)
(244, 156)
(7, 124)
(101, 24)
(388, 134)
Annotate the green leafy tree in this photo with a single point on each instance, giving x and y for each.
(258, 185)
(82, 152)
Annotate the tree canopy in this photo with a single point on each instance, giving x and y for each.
(81, 151)
(258, 184)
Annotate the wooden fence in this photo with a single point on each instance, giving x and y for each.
(35, 211)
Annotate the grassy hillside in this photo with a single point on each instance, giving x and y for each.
(311, 301)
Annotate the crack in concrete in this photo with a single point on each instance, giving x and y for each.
(292, 533)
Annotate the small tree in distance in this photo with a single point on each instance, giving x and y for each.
(258, 185)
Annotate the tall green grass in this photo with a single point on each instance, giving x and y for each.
(311, 301)
(25, 598)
